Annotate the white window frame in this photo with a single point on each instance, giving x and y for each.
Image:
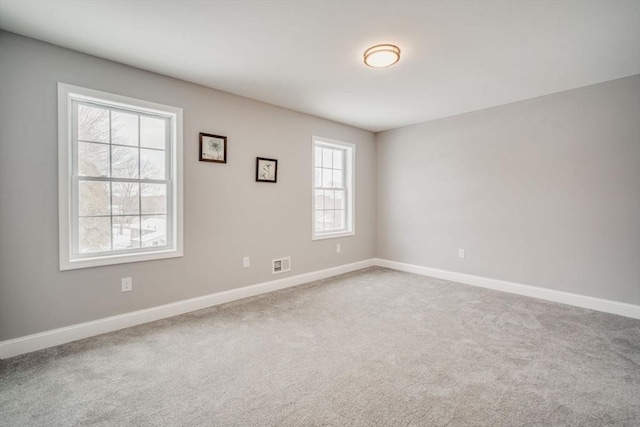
(67, 230)
(349, 179)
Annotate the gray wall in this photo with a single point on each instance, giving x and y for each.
(544, 192)
(227, 215)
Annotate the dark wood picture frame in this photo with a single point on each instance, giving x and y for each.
(265, 175)
(205, 151)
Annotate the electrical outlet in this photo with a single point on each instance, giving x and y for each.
(338, 248)
(246, 262)
(126, 284)
(461, 253)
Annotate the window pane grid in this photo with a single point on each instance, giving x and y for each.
(330, 220)
(330, 189)
(94, 127)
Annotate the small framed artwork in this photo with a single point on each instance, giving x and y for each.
(266, 170)
(213, 148)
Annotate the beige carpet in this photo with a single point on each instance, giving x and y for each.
(370, 348)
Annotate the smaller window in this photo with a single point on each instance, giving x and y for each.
(333, 188)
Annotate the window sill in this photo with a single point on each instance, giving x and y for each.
(333, 235)
(118, 259)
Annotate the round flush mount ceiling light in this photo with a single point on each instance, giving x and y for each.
(382, 55)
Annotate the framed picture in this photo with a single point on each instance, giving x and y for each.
(213, 148)
(266, 170)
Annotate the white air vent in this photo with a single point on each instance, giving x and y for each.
(280, 265)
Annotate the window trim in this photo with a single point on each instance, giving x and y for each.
(350, 164)
(67, 93)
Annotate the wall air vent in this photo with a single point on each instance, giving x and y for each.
(280, 265)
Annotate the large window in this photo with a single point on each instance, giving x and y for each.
(119, 177)
(333, 189)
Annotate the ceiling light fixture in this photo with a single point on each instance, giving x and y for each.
(382, 55)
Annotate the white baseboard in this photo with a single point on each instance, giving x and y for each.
(39, 341)
(599, 304)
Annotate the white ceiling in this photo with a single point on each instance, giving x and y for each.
(307, 55)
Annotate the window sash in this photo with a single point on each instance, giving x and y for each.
(342, 188)
(75, 228)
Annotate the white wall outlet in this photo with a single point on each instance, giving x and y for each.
(338, 248)
(126, 284)
(246, 262)
(461, 253)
